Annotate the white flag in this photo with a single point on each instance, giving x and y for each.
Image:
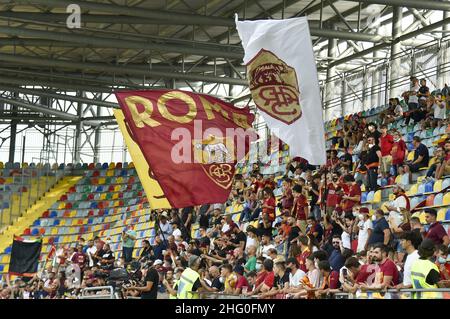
(282, 76)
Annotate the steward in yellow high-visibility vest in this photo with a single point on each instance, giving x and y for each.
(424, 272)
(190, 280)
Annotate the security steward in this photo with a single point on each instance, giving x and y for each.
(190, 280)
(424, 272)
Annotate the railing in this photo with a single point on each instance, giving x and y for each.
(218, 295)
(439, 293)
(97, 293)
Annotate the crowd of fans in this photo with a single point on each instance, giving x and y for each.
(323, 241)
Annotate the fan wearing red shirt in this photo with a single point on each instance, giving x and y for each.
(330, 277)
(386, 144)
(269, 204)
(436, 232)
(266, 278)
(334, 194)
(386, 271)
(301, 209)
(241, 281)
(305, 253)
(333, 161)
(398, 151)
(352, 196)
(78, 257)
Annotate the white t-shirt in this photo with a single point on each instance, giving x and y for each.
(398, 111)
(346, 242)
(294, 280)
(314, 278)
(410, 259)
(363, 234)
(91, 252)
(399, 202)
(414, 98)
(439, 113)
(265, 249)
(250, 242)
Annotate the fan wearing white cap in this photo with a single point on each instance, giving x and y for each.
(394, 207)
(165, 228)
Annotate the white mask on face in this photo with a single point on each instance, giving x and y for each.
(374, 217)
(222, 280)
(258, 267)
(371, 145)
(361, 216)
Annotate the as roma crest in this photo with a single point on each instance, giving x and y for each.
(274, 87)
(216, 155)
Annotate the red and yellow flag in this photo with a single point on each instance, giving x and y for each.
(184, 145)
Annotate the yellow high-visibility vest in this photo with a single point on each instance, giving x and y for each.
(186, 283)
(419, 272)
(174, 285)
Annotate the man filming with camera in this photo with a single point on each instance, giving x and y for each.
(151, 281)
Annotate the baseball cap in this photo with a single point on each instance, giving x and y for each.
(157, 262)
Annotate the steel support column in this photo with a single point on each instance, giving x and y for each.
(331, 72)
(395, 48)
(97, 137)
(77, 139)
(13, 130)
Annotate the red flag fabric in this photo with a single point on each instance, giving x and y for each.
(191, 142)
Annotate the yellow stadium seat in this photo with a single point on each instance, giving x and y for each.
(437, 185)
(398, 179)
(377, 197)
(363, 188)
(446, 200)
(412, 190)
(103, 196)
(54, 231)
(110, 173)
(441, 214)
(117, 188)
(422, 218)
(119, 180)
(410, 156)
(115, 196)
(101, 181)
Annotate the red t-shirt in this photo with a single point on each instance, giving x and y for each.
(333, 199)
(301, 258)
(242, 282)
(299, 207)
(354, 190)
(270, 212)
(386, 144)
(436, 233)
(388, 268)
(398, 152)
(364, 274)
(79, 258)
(260, 278)
(269, 279)
(332, 282)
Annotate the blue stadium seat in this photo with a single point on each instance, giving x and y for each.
(438, 199)
(429, 187)
(447, 215)
(8, 249)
